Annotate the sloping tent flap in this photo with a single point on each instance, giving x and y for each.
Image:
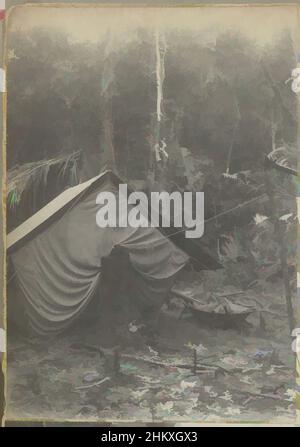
(59, 269)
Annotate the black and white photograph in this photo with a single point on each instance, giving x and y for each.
(151, 214)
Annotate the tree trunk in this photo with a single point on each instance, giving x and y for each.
(279, 233)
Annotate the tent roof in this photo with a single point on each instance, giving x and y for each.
(59, 203)
(195, 248)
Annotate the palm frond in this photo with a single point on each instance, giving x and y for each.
(34, 175)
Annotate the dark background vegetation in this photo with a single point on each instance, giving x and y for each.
(54, 97)
(226, 101)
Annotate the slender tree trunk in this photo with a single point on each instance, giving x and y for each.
(280, 235)
(158, 156)
(107, 135)
(234, 133)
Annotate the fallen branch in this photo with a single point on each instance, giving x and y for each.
(83, 387)
(187, 298)
(259, 396)
(220, 295)
(203, 367)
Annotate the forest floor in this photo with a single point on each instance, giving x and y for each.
(238, 375)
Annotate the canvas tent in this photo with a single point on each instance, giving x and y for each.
(56, 256)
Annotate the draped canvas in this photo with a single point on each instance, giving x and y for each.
(58, 270)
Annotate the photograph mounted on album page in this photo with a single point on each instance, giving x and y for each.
(151, 209)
